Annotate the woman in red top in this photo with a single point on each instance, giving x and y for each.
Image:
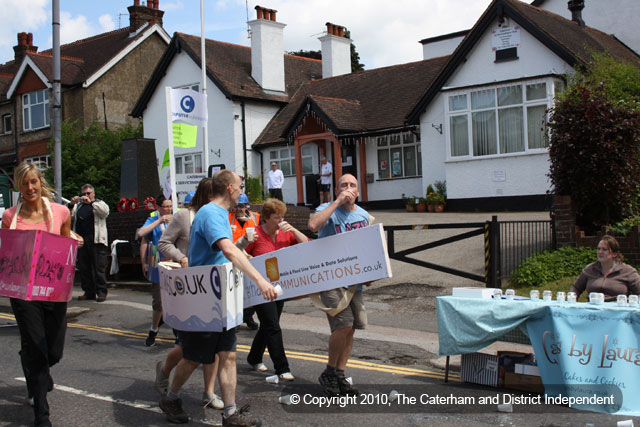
(273, 234)
(42, 324)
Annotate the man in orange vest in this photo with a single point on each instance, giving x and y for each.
(240, 219)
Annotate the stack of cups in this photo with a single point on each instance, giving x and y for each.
(572, 297)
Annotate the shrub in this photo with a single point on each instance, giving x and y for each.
(441, 188)
(430, 189)
(254, 189)
(548, 266)
(623, 227)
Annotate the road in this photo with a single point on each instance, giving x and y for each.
(106, 375)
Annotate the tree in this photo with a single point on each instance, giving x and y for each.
(355, 56)
(595, 142)
(313, 54)
(92, 155)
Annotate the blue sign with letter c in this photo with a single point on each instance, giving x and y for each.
(187, 104)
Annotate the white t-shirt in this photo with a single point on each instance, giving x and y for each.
(326, 169)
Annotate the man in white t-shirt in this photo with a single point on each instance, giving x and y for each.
(275, 179)
(326, 170)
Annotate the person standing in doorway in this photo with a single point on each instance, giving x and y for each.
(89, 219)
(275, 179)
(326, 170)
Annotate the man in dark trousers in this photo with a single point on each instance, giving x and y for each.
(89, 220)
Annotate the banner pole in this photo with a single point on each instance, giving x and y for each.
(172, 161)
(205, 130)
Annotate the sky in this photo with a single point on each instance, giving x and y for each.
(384, 32)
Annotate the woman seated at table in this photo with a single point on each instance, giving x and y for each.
(609, 275)
(273, 234)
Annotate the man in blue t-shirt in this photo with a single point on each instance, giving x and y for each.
(211, 244)
(340, 216)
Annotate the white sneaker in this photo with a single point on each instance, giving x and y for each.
(214, 402)
(260, 367)
(287, 376)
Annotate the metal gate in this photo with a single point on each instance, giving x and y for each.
(521, 239)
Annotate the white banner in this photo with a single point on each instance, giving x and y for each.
(358, 256)
(188, 106)
(205, 298)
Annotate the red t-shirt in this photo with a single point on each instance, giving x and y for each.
(263, 244)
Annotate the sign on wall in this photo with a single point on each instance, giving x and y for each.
(505, 38)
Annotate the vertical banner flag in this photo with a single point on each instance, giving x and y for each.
(188, 106)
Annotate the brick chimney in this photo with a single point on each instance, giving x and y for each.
(336, 52)
(140, 15)
(267, 50)
(25, 45)
(576, 6)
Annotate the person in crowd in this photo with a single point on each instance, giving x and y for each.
(150, 233)
(273, 234)
(326, 170)
(174, 243)
(211, 244)
(240, 219)
(89, 219)
(42, 324)
(609, 274)
(344, 307)
(275, 179)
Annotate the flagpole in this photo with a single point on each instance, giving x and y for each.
(172, 159)
(205, 133)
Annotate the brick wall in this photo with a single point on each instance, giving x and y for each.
(569, 234)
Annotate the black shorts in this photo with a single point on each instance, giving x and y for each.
(325, 188)
(202, 347)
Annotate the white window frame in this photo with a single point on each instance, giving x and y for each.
(28, 106)
(188, 159)
(39, 161)
(6, 119)
(404, 141)
(287, 163)
(552, 85)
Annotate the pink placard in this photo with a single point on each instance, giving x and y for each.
(36, 265)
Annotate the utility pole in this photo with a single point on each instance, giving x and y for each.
(57, 108)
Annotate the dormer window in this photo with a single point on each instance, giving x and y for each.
(35, 108)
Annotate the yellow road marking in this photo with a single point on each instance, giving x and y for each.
(369, 366)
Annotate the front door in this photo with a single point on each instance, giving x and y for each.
(349, 160)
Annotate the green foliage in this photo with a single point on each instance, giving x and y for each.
(595, 143)
(623, 227)
(548, 266)
(92, 155)
(430, 189)
(441, 188)
(313, 54)
(254, 189)
(409, 200)
(435, 199)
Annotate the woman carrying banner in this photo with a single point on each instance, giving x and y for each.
(42, 324)
(273, 234)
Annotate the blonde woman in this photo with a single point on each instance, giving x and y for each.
(42, 324)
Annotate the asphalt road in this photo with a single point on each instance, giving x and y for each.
(106, 376)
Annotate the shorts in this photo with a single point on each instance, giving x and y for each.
(353, 316)
(325, 188)
(202, 347)
(156, 299)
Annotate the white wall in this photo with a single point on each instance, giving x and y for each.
(440, 48)
(618, 17)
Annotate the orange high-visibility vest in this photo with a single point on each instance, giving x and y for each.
(238, 228)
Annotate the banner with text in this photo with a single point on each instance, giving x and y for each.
(589, 354)
(357, 256)
(36, 265)
(188, 106)
(204, 298)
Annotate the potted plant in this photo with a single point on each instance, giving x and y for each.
(441, 190)
(410, 202)
(432, 201)
(422, 205)
(439, 202)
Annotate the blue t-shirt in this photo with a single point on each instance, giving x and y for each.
(210, 224)
(342, 220)
(153, 237)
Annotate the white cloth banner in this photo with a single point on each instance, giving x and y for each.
(188, 106)
(358, 256)
(204, 298)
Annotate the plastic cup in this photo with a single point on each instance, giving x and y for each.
(285, 400)
(633, 300)
(622, 300)
(534, 295)
(393, 396)
(572, 297)
(273, 379)
(279, 290)
(596, 298)
(282, 224)
(505, 407)
(510, 293)
(349, 380)
(497, 294)
(561, 296)
(250, 232)
(547, 296)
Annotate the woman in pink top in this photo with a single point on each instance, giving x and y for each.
(42, 324)
(273, 234)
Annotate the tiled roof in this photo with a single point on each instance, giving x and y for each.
(365, 101)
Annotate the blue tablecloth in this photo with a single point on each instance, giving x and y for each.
(582, 350)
